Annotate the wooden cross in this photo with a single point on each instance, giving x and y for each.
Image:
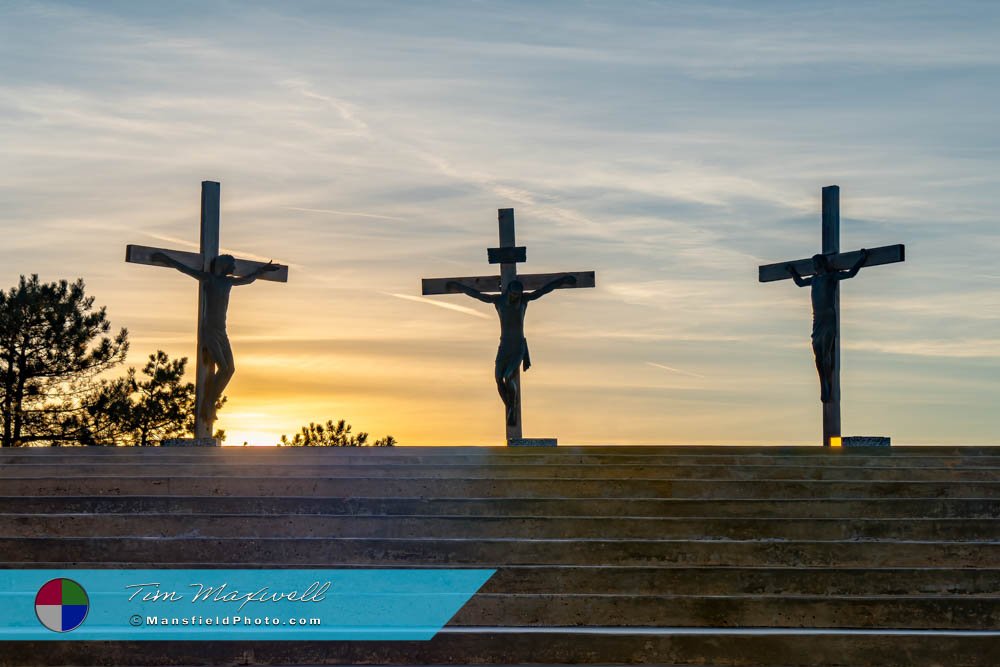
(508, 255)
(840, 261)
(202, 261)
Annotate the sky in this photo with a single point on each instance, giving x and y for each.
(671, 147)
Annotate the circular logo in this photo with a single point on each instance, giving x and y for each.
(61, 605)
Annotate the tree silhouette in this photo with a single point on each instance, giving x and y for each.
(140, 412)
(52, 345)
(333, 434)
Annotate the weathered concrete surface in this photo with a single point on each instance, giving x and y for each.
(510, 527)
(569, 471)
(904, 456)
(498, 648)
(410, 487)
(836, 508)
(491, 552)
(604, 555)
(955, 612)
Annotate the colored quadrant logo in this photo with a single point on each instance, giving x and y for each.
(61, 605)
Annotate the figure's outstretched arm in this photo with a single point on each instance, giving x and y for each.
(797, 277)
(164, 258)
(846, 275)
(548, 287)
(258, 272)
(474, 293)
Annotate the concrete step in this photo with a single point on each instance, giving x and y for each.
(749, 581)
(972, 508)
(511, 646)
(442, 527)
(240, 469)
(780, 611)
(609, 449)
(497, 552)
(480, 488)
(906, 457)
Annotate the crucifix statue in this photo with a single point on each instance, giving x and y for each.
(216, 275)
(510, 294)
(822, 274)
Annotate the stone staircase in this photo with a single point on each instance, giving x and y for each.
(652, 555)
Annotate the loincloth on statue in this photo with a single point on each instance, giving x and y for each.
(216, 342)
(824, 329)
(510, 354)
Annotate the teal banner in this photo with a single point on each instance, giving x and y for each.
(138, 605)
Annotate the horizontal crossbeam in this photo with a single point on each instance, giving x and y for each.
(888, 254)
(140, 254)
(507, 255)
(531, 281)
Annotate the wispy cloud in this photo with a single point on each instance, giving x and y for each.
(672, 369)
(956, 348)
(441, 304)
(353, 214)
(174, 240)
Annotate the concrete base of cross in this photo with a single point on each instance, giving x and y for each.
(191, 442)
(531, 442)
(866, 441)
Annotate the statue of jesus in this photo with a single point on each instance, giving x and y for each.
(824, 303)
(213, 337)
(511, 305)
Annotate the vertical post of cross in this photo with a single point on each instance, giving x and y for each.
(831, 246)
(209, 251)
(508, 274)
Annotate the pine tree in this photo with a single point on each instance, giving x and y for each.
(53, 343)
(333, 434)
(128, 411)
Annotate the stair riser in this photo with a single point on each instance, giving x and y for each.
(512, 648)
(165, 525)
(388, 488)
(542, 507)
(758, 450)
(453, 472)
(483, 457)
(743, 581)
(490, 553)
(556, 610)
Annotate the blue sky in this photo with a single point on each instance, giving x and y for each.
(671, 147)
